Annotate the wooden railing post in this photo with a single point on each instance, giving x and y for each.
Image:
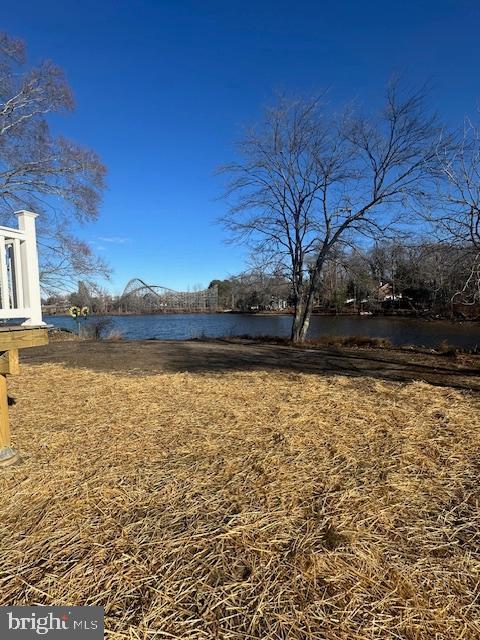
(8, 364)
(7, 455)
(30, 273)
(4, 422)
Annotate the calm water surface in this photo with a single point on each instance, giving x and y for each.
(183, 326)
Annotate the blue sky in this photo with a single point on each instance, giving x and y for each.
(163, 89)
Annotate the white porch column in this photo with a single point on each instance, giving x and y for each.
(30, 273)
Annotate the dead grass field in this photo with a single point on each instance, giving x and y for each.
(242, 505)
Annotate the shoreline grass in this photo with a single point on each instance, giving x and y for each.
(339, 342)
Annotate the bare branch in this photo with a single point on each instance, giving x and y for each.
(48, 174)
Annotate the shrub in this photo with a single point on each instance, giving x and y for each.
(447, 350)
(97, 328)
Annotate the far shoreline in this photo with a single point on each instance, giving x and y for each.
(268, 314)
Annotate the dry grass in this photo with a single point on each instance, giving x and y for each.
(245, 505)
(321, 341)
(62, 335)
(351, 341)
(114, 336)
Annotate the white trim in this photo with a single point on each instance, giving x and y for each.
(14, 313)
(25, 273)
(7, 232)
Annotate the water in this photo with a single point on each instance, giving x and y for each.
(183, 326)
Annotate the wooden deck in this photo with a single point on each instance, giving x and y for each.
(19, 337)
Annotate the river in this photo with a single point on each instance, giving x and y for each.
(399, 331)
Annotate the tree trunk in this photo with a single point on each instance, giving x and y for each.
(305, 300)
(301, 320)
(297, 322)
(307, 314)
(303, 310)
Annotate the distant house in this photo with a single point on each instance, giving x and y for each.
(386, 292)
(277, 304)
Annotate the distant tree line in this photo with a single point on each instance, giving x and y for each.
(88, 294)
(392, 276)
(253, 291)
(425, 278)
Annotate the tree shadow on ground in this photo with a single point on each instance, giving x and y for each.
(151, 356)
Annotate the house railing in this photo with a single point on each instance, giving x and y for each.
(19, 275)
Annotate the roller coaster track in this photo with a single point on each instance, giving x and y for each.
(140, 296)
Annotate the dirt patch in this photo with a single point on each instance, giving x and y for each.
(152, 356)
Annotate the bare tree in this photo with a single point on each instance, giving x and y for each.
(456, 217)
(44, 172)
(307, 181)
(458, 213)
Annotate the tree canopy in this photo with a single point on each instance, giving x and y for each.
(42, 171)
